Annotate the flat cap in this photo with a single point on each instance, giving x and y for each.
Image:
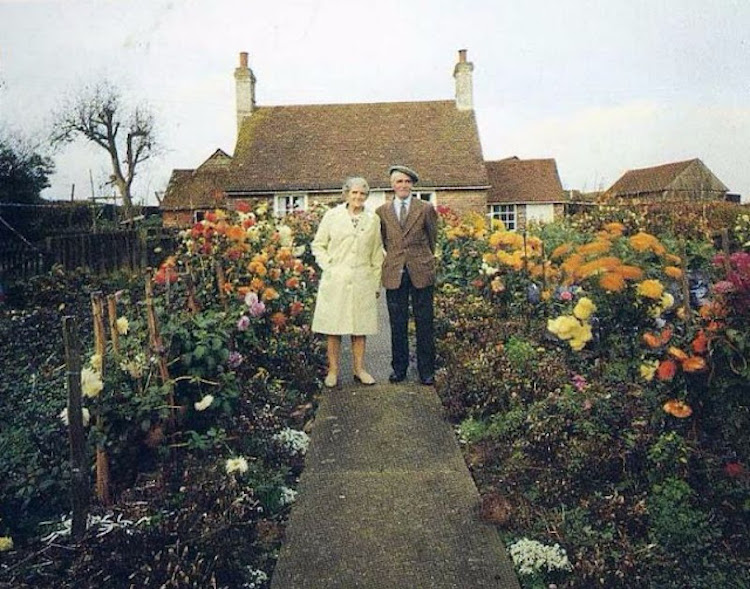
(404, 170)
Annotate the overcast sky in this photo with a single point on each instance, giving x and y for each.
(602, 86)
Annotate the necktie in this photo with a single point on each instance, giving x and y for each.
(402, 214)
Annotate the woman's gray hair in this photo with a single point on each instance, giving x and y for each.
(352, 182)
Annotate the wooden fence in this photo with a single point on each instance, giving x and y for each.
(98, 252)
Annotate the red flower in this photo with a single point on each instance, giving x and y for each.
(734, 469)
(296, 308)
(243, 207)
(700, 343)
(667, 369)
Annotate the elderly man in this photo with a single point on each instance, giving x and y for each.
(408, 226)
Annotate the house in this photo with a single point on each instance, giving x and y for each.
(524, 190)
(687, 180)
(293, 156)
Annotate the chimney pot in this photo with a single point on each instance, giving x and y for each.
(462, 55)
(243, 59)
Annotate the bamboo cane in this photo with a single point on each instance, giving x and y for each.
(157, 346)
(112, 315)
(221, 282)
(79, 491)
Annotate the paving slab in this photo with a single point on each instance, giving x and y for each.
(386, 500)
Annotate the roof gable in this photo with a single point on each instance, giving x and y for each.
(315, 147)
(676, 176)
(513, 180)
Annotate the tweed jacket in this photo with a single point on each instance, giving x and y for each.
(412, 247)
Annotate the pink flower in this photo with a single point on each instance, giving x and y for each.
(243, 323)
(566, 295)
(723, 287)
(255, 305)
(734, 469)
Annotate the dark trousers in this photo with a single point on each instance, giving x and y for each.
(398, 313)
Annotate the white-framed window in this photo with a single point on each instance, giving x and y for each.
(505, 213)
(426, 196)
(374, 200)
(283, 204)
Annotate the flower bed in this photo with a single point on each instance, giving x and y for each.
(604, 418)
(197, 408)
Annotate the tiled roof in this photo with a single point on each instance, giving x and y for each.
(315, 147)
(513, 180)
(191, 189)
(648, 180)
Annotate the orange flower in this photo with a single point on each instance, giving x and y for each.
(700, 343)
(292, 282)
(561, 250)
(677, 408)
(652, 289)
(256, 284)
(651, 340)
(673, 272)
(278, 319)
(570, 265)
(642, 242)
(629, 272)
(612, 282)
(667, 369)
(693, 364)
(296, 308)
(269, 294)
(677, 353)
(672, 258)
(600, 246)
(274, 273)
(615, 228)
(665, 335)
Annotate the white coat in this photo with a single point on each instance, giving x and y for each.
(351, 259)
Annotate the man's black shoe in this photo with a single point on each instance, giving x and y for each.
(427, 381)
(396, 377)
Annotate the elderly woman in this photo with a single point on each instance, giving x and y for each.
(349, 250)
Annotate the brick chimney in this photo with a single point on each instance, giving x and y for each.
(464, 85)
(245, 90)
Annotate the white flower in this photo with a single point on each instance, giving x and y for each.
(84, 411)
(204, 403)
(298, 251)
(294, 440)
(122, 325)
(531, 557)
(285, 235)
(257, 578)
(287, 496)
(91, 382)
(238, 464)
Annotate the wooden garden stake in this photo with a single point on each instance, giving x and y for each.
(157, 346)
(112, 315)
(192, 302)
(220, 283)
(725, 249)
(100, 348)
(79, 494)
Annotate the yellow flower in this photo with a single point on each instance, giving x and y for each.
(122, 325)
(667, 300)
(561, 250)
(599, 246)
(648, 369)
(6, 543)
(204, 403)
(652, 289)
(96, 362)
(584, 308)
(91, 382)
(581, 335)
(564, 326)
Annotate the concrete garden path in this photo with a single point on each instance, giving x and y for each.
(386, 500)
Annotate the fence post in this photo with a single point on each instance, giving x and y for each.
(156, 342)
(79, 494)
(112, 315)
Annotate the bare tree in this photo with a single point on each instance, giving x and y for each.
(97, 114)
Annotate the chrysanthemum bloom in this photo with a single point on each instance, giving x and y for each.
(295, 308)
(693, 364)
(243, 323)
(652, 341)
(629, 272)
(561, 250)
(278, 319)
(667, 301)
(700, 343)
(91, 383)
(600, 246)
(204, 403)
(652, 289)
(673, 272)
(615, 228)
(564, 326)
(584, 308)
(612, 282)
(85, 416)
(642, 242)
(581, 336)
(6, 543)
(677, 409)
(733, 469)
(677, 353)
(122, 325)
(648, 369)
(666, 370)
(497, 285)
(96, 362)
(238, 464)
